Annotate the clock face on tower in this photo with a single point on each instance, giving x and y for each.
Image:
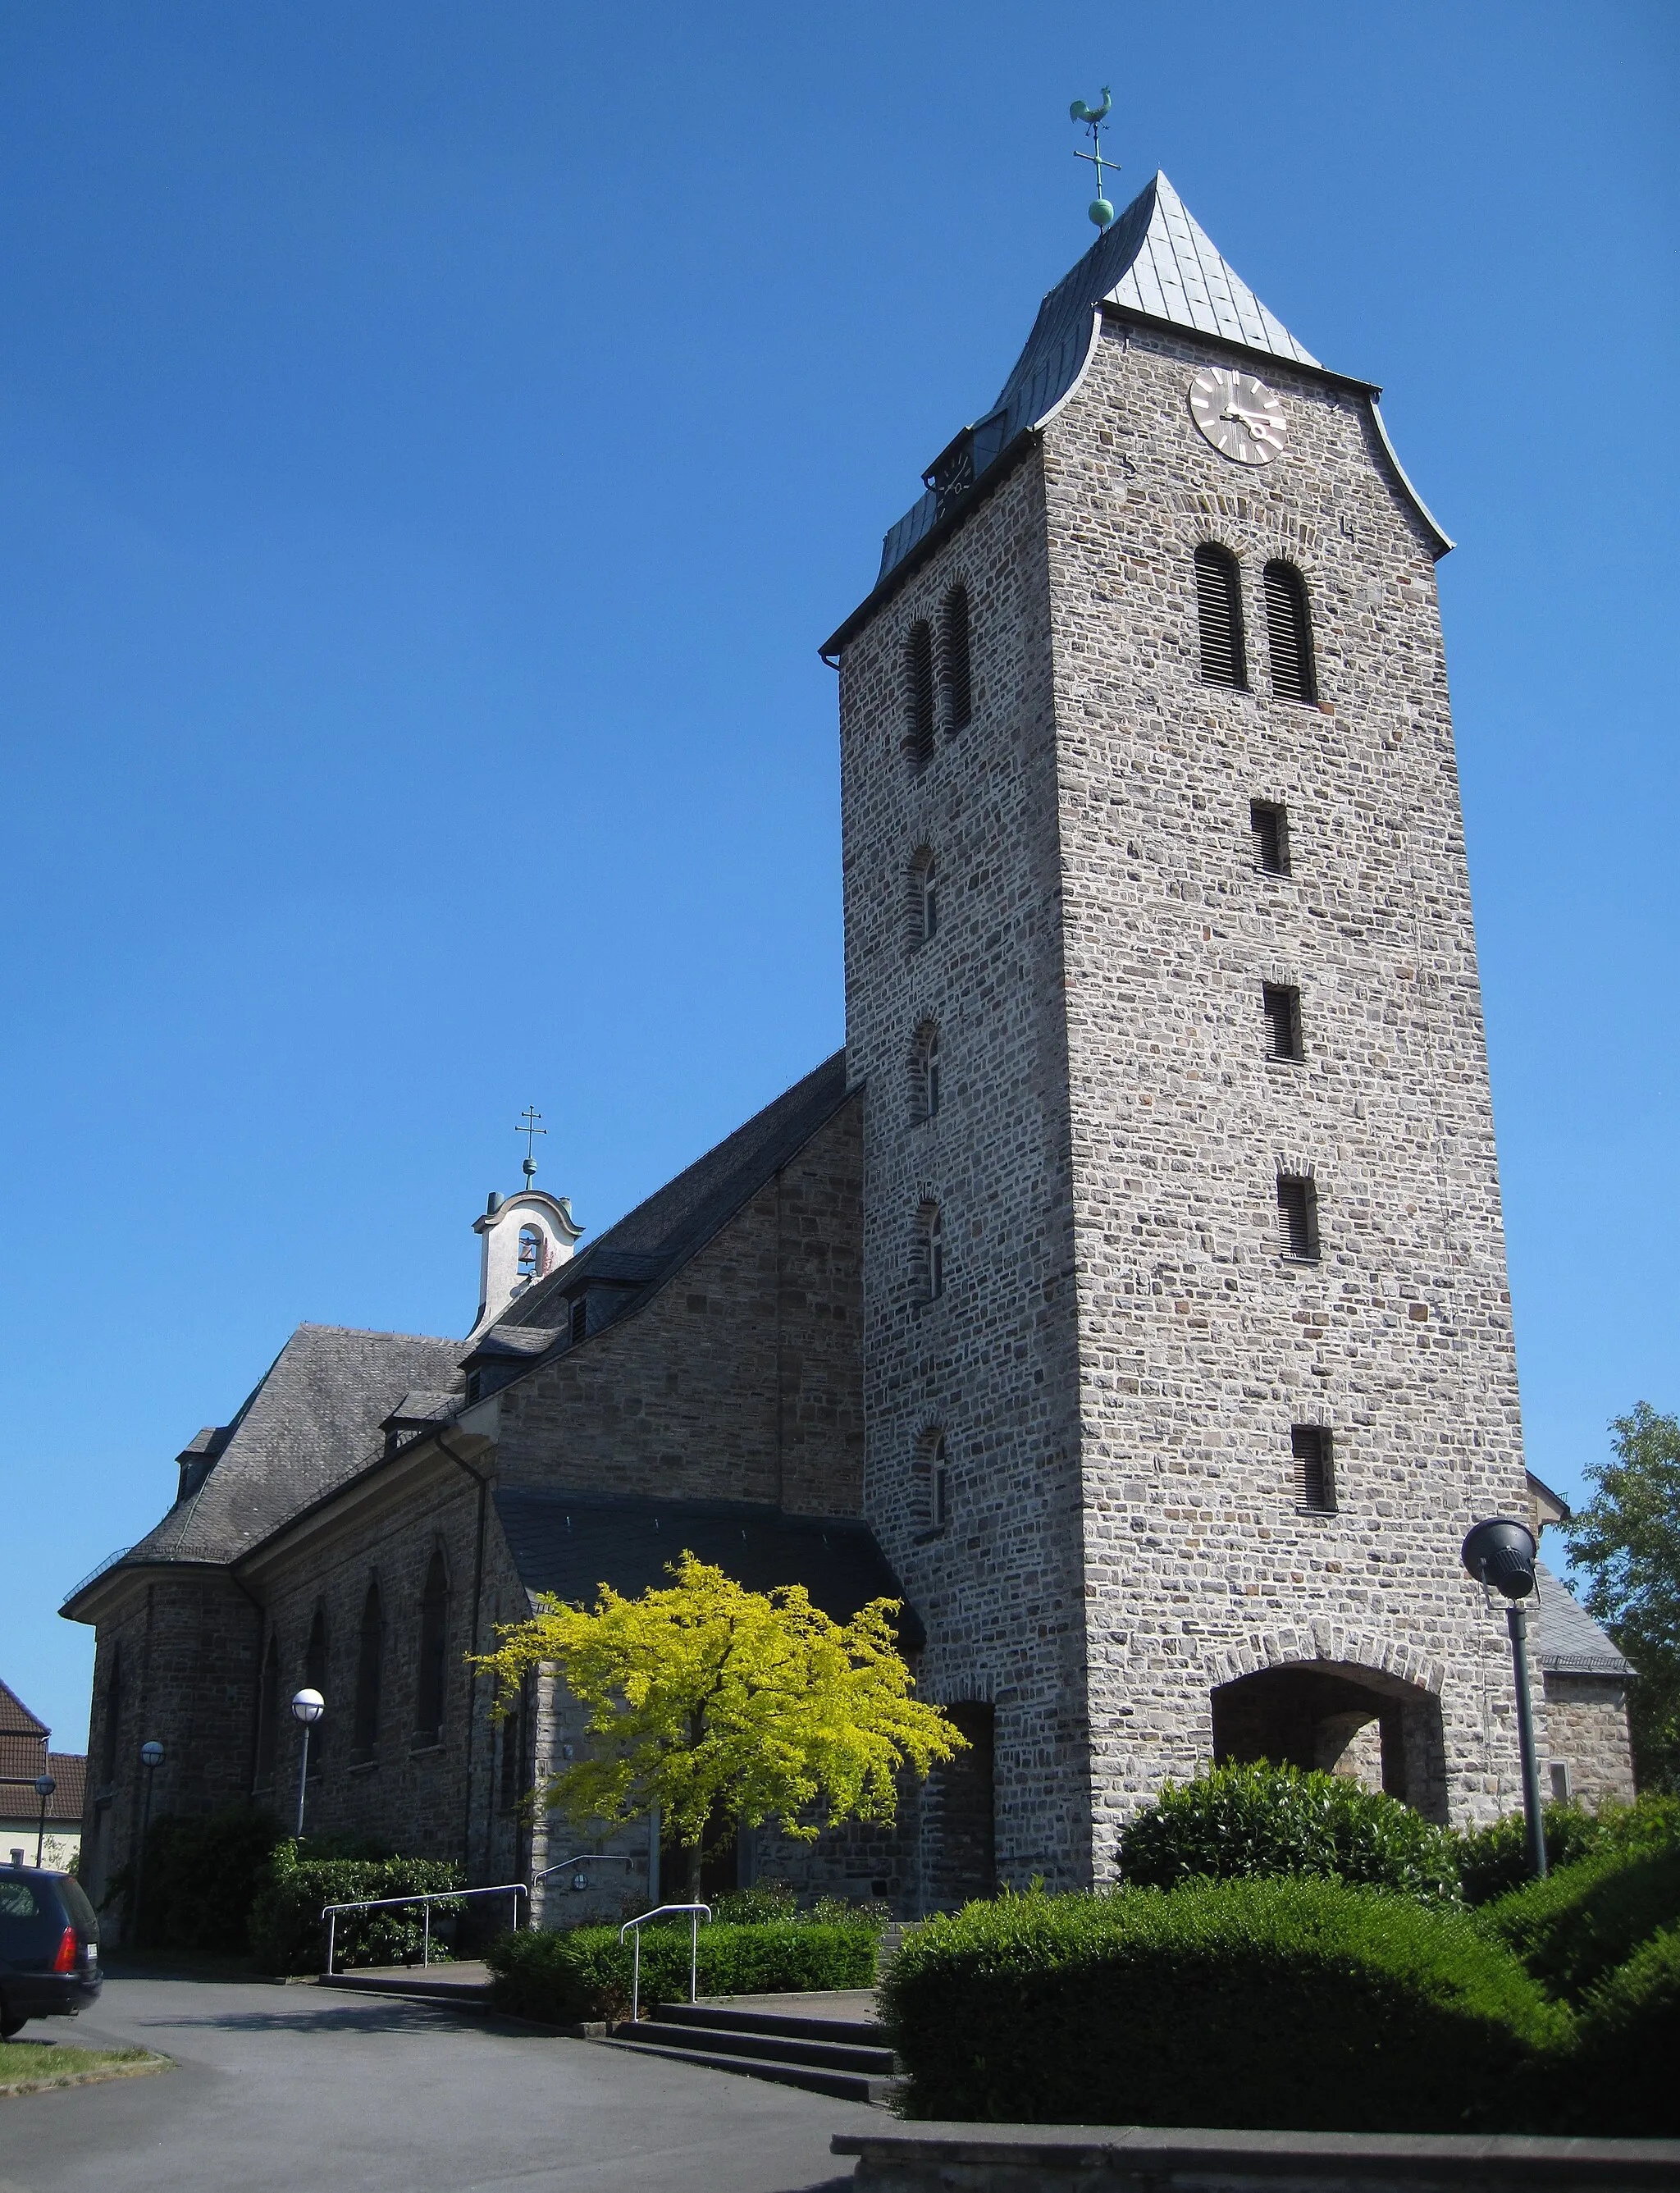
(1241, 416)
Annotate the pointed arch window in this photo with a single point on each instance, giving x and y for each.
(955, 671)
(930, 1251)
(109, 1750)
(268, 1714)
(369, 1673)
(1218, 611)
(1288, 628)
(918, 678)
(315, 1675)
(925, 897)
(434, 1624)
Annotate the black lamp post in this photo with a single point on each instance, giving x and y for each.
(44, 1787)
(1500, 1554)
(151, 1758)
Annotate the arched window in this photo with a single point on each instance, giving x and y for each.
(925, 897)
(315, 1675)
(433, 1633)
(530, 1253)
(369, 1672)
(1218, 610)
(1290, 629)
(918, 676)
(268, 1714)
(954, 672)
(108, 1753)
(933, 1479)
(925, 1073)
(930, 1251)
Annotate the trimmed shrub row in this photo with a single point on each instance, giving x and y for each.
(585, 1973)
(1289, 2004)
(1575, 1927)
(288, 1933)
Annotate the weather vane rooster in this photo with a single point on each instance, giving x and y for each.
(1101, 211)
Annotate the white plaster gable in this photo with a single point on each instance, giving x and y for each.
(524, 1238)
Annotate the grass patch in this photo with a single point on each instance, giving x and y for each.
(32, 2067)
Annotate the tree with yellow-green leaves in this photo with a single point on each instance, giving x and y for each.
(708, 1700)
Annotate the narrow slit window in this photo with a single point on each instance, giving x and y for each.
(933, 1479)
(1282, 1020)
(1289, 630)
(578, 1323)
(1218, 610)
(930, 1247)
(1297, 1218)
(954, 661)
(918, 670)
(1314, 1476)
(924, 1073)
(433, 1653)
(925, 898)
(1270, 823)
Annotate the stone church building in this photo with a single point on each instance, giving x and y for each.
(1129, 1296)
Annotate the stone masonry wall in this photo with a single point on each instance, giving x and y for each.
(741, 1379)
(1200, 1344)
(991, 1367)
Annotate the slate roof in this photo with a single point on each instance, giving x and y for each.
(640, 1253)
(1566, 1638)
(570, 1543)
(69, 1769)
(16, 1719)
(313, 1422)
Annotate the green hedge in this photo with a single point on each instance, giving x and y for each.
(1622, 2074)
(584, 1972)
(289, 1935)
(1239, 1822)
(1273, 2003)
(1575, 1927)
(1493, 1860)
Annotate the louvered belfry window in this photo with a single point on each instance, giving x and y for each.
(1218, 608)
(1290, 629)
(1297, 1218)
(1282, 1020)
(918, 670)
(1270, 826)
(1314, 1477)
(954, 659)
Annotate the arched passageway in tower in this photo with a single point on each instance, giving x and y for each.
(1341, 1718)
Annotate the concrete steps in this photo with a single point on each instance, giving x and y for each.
(845, 2058)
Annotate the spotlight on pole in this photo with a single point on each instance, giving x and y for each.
(307, 1707)
(1501, 1555)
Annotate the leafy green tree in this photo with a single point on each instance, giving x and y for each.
(709, 1700)
(1626, 1542)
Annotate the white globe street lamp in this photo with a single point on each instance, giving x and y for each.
(44, 1787)
(151, 1758)
(307, 1707)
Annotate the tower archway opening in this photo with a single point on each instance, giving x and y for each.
(1337, 1718)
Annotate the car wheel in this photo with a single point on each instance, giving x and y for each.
(8, 2024)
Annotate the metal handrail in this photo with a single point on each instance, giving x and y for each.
(659, 1911)
(329, 1912)
(587, 1857)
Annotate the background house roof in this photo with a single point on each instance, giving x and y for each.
(571, 1544)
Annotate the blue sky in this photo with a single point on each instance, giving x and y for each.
(435, 439)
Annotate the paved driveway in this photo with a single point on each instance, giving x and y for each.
(295, 2089)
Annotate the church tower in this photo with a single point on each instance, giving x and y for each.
(1188, 1340)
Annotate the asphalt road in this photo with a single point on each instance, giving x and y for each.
(284, 2088)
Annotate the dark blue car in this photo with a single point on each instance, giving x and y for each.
(49, 1947)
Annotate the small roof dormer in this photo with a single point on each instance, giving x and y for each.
(525, 1237)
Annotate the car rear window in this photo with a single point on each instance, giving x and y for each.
(78, 1909)
(17, 1899)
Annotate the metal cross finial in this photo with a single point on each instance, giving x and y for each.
(530, 1128)
(1100, 210)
